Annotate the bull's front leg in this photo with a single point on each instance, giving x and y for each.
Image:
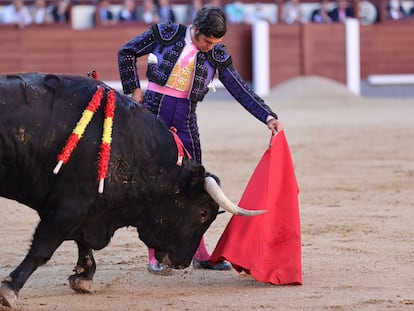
(82, 280)
(46, 240)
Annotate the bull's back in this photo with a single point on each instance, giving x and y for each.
(37, 114)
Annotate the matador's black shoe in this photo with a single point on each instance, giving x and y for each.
(205, 264)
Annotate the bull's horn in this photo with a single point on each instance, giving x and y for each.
(214, 190)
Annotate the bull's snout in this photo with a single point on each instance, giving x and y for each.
(167, 261)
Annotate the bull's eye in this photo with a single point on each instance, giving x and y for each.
(203, 215)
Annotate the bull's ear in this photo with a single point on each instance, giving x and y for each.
(194, 183)
(198, 175)
(191, 180)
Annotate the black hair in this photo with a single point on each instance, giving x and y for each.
(211, 21)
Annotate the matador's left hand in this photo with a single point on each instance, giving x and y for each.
(138, 95)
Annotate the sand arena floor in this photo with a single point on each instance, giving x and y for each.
(354, 161)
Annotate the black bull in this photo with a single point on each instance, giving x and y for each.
(170, 205)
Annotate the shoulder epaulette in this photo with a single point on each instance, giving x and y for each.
(168, 33)
(219, 56)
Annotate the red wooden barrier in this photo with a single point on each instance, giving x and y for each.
(296, 50)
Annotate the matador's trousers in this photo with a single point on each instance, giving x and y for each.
(179, 113)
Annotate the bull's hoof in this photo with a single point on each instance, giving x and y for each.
(7, 296)
(80, 285)
(159, 269)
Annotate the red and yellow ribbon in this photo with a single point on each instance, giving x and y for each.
(78, 131)
(105, 148)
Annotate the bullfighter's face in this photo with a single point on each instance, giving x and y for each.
(202, 42)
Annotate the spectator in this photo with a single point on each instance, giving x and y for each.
(368, 13)
(40, 13)
(291, 12)
(103, 15)
(342, 11)
(148, 14)
(216, 3)
(60, 11)
(321, 14)
(235, 12)
(165, 11)
(193, 9)
(258, 14)
(128, 12)
(17, 14)
(395, 10)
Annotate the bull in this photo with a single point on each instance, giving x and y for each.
(170, 205)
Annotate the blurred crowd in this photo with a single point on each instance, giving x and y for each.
(41, 12)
